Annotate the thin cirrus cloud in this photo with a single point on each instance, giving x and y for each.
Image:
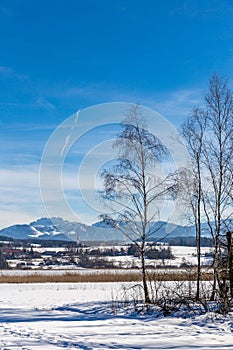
(20, 195)
(9, 72)
(21, 198)
(181, 98)
(20, 187)
(172, 104)
(176, 105)
(19, 177)
(32, 99)
(44, 103)
(39, 103)
(5, 70)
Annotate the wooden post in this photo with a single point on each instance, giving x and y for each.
(230, 260)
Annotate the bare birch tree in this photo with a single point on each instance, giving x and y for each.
(193, 132)
(218, 162)
(134, 184)
(209, 137)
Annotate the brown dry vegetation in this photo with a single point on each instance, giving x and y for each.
(104, 277)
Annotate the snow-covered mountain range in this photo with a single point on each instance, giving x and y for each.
(59, 229)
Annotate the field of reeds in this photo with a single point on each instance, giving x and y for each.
(102, 276)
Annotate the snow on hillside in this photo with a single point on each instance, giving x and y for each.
(58, 228)
(79, 316)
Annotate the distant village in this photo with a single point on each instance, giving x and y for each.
(26, 254)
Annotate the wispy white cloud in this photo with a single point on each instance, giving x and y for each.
(205, 9)
(177, 104)
(20, 192)
(14, 217)
(6, 8)
(5, 70)
(11, 73)
(20, 176)
(39, 103)
(67, 140)
(36, 100)
(19, 186)
(44, 103)
(174, 103)
(20, 195)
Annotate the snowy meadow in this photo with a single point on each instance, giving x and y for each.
(83, 316)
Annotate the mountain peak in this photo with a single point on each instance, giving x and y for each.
(56, 227)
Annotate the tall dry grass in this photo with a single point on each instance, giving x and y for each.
(103, 277)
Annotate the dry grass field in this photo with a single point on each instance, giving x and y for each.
(108, 276)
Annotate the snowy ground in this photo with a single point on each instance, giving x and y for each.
(79, 316)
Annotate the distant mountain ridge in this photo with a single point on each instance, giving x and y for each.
(59, 229)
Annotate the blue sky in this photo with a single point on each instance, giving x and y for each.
(60, 56)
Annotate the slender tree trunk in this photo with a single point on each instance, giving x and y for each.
(144, 278)
(215, 270)
(198, 238)
(198, 229)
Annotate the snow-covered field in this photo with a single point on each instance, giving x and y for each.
(182, 254)
(79, 316)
